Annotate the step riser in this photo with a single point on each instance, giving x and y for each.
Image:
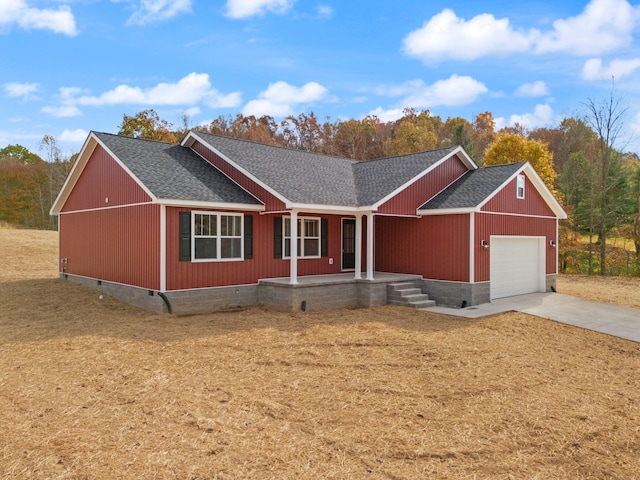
(408, 294)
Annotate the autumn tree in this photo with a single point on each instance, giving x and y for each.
(414, 132)
(511, 148)
(484, 132)
(148, 125)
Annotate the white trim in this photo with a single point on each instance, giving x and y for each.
(517, 215)
(370, 246)
(213, 205)
(76, 171)
(342, 220)
(472, 248)
(466, 160)
(447, 211)
(357, 275)
(113, 207)
(218, 237)
(293, 249)
(163, 248)
(329, 209)
(193, 137)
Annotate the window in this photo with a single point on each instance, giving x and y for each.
(308, 237)
(216, 236)
(520, 186)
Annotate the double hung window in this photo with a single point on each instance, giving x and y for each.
(308, 241)
(216, 236)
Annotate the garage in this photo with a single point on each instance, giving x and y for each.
(517, 266)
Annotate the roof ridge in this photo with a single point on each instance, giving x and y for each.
(291, 149)
(409, 154)
(134, 138)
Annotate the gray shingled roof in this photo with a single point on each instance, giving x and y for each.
(375, 179)
(311, 178)
(301, 177)
(472, 188)
(173, 172)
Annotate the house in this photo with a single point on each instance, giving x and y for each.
(208, 224)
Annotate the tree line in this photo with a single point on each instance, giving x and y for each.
(579, 160)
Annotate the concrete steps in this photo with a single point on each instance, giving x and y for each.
(408, 294)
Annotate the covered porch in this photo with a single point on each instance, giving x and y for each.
(319, 292)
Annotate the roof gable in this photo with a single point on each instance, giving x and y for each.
(306, 178)
(477, 187)
(165, 171)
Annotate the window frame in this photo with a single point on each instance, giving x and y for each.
(301, 237)
(520, 186)
(218, 236)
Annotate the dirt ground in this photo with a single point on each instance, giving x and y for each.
(94, 389)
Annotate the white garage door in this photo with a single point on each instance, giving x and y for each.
(517, 266)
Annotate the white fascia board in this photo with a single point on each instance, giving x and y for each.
(83, 157)
(209, 205)
(330, 209)
(192, 137)
(540, 186)
(470, 164)
(447, 211)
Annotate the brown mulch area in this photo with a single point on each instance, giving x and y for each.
(93, 388)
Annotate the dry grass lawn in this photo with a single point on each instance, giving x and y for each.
(95, 389)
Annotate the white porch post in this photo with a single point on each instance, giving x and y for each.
(370, 246)
(358, 272)
(293, 275)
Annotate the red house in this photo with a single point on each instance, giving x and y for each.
(208, 225)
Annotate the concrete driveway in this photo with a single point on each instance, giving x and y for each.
(613, 320)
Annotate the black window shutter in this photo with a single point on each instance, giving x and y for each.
(277, 236)
(248, 237)
(324, 237)
(185, 236)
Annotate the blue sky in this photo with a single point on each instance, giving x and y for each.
(71, 66)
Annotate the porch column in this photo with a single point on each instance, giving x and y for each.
(358, 272)
(293, 275)
(370, 246)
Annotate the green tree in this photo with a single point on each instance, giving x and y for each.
(610, 187)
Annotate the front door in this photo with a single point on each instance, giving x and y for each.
(348, 244)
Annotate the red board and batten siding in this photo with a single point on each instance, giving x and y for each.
(532, 218)
(185, 275)
(505, 201)
(415, 195)
(103, 178)
(117, 244)
(271, 202)
(436, 247)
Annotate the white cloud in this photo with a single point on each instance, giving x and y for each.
(390, 115)
(447, 36)
(24, 90)
(62, 111)
(150, 11)
(603, 26)
(249, 8)
(325, 12)
(18, 12)
(453, 91)
(594, 69)
(190, 90)
(279, 99)
(73, 136)
(535, 89)
(541, 116)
